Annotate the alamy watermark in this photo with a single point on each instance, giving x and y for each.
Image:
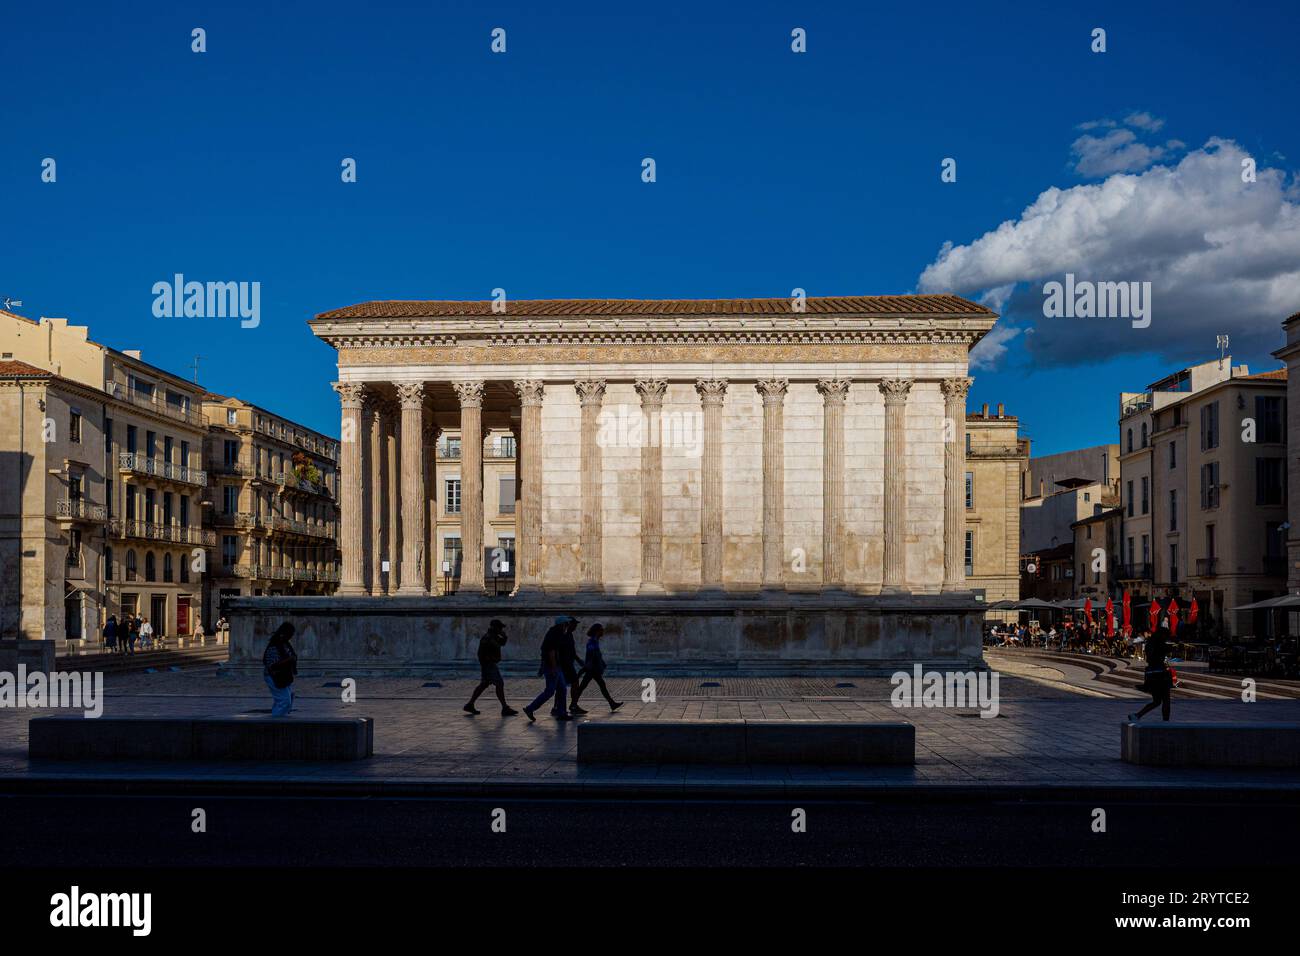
(208, 300)
(69, 690)
(950, 689)
(1084, 299)
(626, 426)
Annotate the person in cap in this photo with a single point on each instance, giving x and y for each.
(489, 657)
(553, 668)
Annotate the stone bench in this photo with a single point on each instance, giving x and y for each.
(1176, 744)
(201, 738)
(746, 742)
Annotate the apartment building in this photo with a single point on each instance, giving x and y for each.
(1204, 492)
(995, 459)
(52, 504)
(1290, 354)
(271, 503)
(124, 501)
(1096, 553)
(500, 495)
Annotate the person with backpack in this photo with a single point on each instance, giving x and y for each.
(489, 657)
(593, 669)
(279, 667)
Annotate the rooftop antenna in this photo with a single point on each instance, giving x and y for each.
(13, 303)
(1222, 342)
(195, 365)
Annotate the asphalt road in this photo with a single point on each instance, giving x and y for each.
(135, 831)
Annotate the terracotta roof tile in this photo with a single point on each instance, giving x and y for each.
(15, 369)
(1277, 373)
(881, 305)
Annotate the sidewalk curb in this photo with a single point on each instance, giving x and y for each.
(1152, 792)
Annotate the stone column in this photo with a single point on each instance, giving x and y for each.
(954, 483)
(773, 391)
(591, 545)
(432, 491)
(377, 542)
(393, 516)
(895, 392)
(652, 485)
(410, 574)
(471, 485)
(712, 392)
(351, 490)
(833, 391)
(528, 546)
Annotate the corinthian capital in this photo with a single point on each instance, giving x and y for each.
(470, 394)
(590, 390)
(895, 390)
(351, 394)
(833, 390)
(772, 389)
(651, 390)
(712, 390)
(411, 394)
(530, 392)
(955, 389)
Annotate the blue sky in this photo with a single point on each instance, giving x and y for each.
(774, 170)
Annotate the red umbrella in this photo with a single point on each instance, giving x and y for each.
(1194, 613)
(1110, 617)
(1087, 610)
(1173, 618)
(1128, 617)
(1154, 613)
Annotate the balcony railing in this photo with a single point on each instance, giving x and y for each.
(242, 520)
(157, 403)
(294, 526)
(78, 509)
(1275, 565)
(174, 533)
(287, 479)
(157, 468)
(232, 468)
(1207, 567)
(992, 451)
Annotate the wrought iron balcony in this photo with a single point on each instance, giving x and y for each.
(1206, 567)
(138, 464)
(173, 533)
(79, 509)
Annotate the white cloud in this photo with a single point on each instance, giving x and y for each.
(1221, 256)
(990, 350)
(1143, 120)
(1116, 152)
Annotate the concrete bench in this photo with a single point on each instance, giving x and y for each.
(201, 738)
(1174, 744)
(746, 742)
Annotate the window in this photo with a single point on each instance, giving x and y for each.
(506, 504)
(507, 446)
(1269, 419)
(185, 511)
(970, 552)
(185, 454)
(1209, 541)
(229, 499)
(503, 559)
(74, 487)
(232, 417)
(1145, 498)
(130, 503)
(130, 439)
(452, 496)
(167, 508)
(1209, 485)
(168, 447)
(150, 567)
(1144, 434)
(230, 453)
(451, 556)
(1173, 455)
(140, 387)
(970, 489)
(150, 444)
(1146, 550)
(229, 551)
(1130, 553)
(452, 447)
(150, 505)
(1270, 481)
(74, 548)
(1129, 497)
(74, 426)
(108, 562)
(1130, 439)
(167, 567)
(1210, 426)
(108, 431)
(1173, 564)
(130, 565)
(1173, 510)
(185, 571)
(178, 402)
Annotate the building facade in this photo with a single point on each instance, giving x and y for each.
(995, 459)
(271, 503)
(127, 499)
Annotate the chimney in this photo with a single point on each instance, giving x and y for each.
(134, 353)
(1001, 410)
(985, 412)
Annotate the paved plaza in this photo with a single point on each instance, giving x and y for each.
(1049, 733)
